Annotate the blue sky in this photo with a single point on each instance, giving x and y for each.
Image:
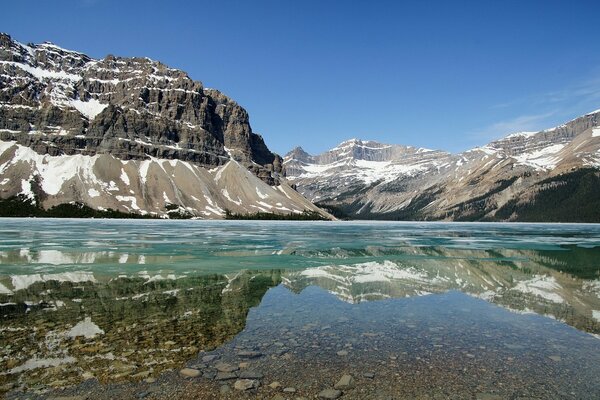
(448, 75)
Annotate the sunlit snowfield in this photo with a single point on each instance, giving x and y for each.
(406, 309)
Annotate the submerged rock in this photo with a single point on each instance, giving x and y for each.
(189, 372)
(209, 358)
(225, 376)
(226, 367)
(246, 384)
(251, 374)
(330, 394)
(275, 385)
(249, 354)
(345, 382)
(224, 389)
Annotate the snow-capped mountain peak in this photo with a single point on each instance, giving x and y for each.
(372, 180)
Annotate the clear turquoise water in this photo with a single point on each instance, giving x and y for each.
(525, 297)
(113, 246)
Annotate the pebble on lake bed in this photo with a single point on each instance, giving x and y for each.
(345, 382)
(190, 372)
(225, 367)
(209, 358)
(246, 384)
(225, 376)
(330, 394)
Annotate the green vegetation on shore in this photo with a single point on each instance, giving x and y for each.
(305, 216)
(21, 206)
(569, 197)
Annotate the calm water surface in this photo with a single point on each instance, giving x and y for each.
(409, 310)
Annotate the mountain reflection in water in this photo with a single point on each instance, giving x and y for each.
(136, 301)
(124, 328)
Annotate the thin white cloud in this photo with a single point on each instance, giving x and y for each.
(550, 108)
(570, 99)
(521, 123)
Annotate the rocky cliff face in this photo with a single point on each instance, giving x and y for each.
(130, 134)
(58, 101)
(550, 175)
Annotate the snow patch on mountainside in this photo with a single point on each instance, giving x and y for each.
(366, 171)
(521, 134)
(385, 271)
(545, 287)
(24, 281)
(42, 74)
(89, 108)
(546, 158)
(103, 182)
(85, 328)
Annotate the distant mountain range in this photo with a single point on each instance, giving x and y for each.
(130, 135)
(133, 136)
(552, 175)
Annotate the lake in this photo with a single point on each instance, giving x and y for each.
(271, 309)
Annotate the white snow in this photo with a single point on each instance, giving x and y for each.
(26, 189)
(130, 199)
(89, 108)
(596, 315)
(262, 203)
(385, 272)
(144, 165)
(50, 45)
(487, 150)
(545, 287)
(85, 328)
(24, 281)
(34, 363)
(93, 192)
(545, 158)
(228, 197)
(41, 73)
(373, 271)
(596, 132)
(53, 171)
(124, 177)
(521, 134)
(4, 289)
(261, 194)
(365, 170)
(282, 190)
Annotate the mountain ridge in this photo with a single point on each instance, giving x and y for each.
(388, 181)
(130, 135)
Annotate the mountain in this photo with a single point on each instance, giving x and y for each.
(551, 175)
(129, 134)
(166, 317)
(526, 281)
